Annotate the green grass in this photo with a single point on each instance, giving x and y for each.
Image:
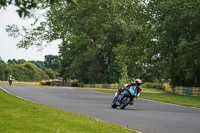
(17, 83)
(159, 95)
(20, 116)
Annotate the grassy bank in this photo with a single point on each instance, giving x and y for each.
(20, 116)
(159, 95)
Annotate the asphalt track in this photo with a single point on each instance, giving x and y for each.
(144, 116)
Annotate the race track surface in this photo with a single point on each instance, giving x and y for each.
(144, 116)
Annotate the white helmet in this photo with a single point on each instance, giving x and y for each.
(138, 82)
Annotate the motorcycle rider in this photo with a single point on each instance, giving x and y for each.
(137, 83)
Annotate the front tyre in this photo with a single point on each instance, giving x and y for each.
(114, 105)
(125, 101)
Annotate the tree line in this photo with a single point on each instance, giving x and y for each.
(22, 70)
(112, 41)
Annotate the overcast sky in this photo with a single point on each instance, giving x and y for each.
(8, 48)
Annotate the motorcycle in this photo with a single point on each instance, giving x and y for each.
(10, 82)
(125, 98)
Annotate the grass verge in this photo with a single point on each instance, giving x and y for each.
(20, 116)
(159, 95)
(18, 83)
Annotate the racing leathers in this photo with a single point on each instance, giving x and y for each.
(126, 86)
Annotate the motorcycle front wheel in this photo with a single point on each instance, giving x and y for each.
(114, 105)
(124, 102)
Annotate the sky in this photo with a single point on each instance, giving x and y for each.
(8, 48)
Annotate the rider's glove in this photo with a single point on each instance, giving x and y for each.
(125, 85)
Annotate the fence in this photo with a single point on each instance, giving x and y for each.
(107, 86)
(59, 83)
(180, 90)
(187, 91)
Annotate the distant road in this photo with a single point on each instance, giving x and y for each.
(144, 116)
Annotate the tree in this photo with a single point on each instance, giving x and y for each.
(5, 70)
(26, 5)
(52, 61)
(89, 33)
(172, 39)
(12, 62)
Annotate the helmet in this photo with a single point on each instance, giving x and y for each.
(138, 82)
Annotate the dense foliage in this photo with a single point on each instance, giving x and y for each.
(172, 39)
(39, 64)
(51, 74)
(28, 72)
(5, 71)
(25, 6)
(22, 70)
(93, 34)
(108, 41)
(52, 62)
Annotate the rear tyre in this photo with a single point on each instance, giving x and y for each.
(10, 82)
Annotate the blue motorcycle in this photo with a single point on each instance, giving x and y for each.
(125, 98)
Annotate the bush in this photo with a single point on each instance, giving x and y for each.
(167, 87)
(50, 73)
(153, 85)
(44, 75)
(5, 70)
(28, 72)
(41, 83)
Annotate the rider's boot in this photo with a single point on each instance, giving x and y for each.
(131, 103)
